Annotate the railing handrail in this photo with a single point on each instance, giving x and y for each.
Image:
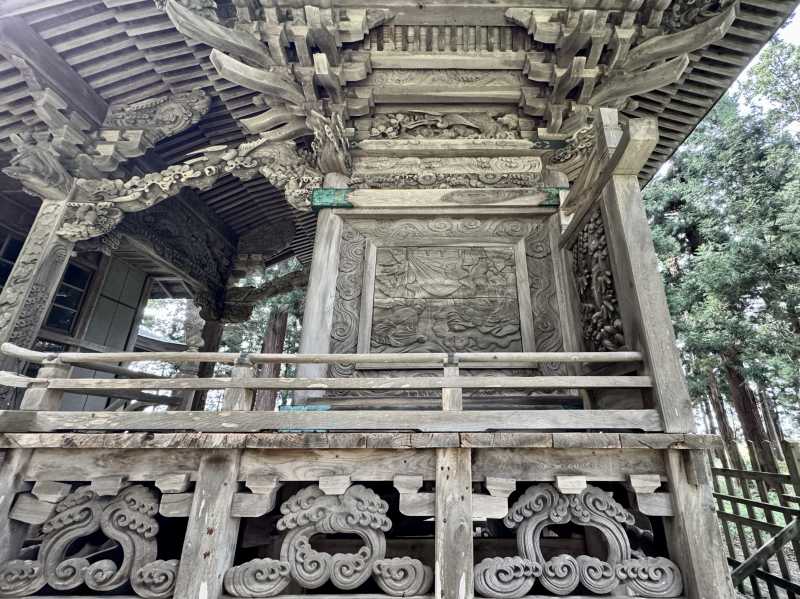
(428, 359)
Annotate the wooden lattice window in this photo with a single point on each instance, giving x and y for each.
(67, 302)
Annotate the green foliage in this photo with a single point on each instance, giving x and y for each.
(725, 219)
(776, 78)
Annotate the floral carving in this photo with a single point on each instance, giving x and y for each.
(599, 308)
(542, 506)
(358, 511)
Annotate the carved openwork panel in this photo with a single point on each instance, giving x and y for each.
(92, 540)
(354, 511)
(597, 296)
(445, 284)
(622, 569)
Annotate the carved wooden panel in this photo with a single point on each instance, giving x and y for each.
(433, 299)
(479, 282)
(599, 307)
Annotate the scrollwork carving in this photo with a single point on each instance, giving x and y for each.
(402, 576)
(86, 220)
(542, 506)
(446, 125)
(155, 580)
(358, 511)
(128, 519)
(163, 116)
(651, 577)
(506, 577)
(257, 578)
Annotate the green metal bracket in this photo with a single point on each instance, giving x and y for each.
(329, 197)
(553, 197)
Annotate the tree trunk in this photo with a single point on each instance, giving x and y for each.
(212, 337)
(711, 427)
(725, 429)
(744, 401)
(273, 343)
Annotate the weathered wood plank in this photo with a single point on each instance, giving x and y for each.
(693, 534)
(358, 464)
(453, 571)
(545, 464)
(344, 440)
(13, 421)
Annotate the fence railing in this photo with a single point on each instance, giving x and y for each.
(759, 515)
(43, 394)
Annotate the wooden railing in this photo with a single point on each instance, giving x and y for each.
(43, 394)
(759, 514)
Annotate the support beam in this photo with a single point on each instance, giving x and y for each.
(210, 541)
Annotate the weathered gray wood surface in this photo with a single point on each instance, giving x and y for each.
(13, 421)
(210, 541)
(693, 534)
(362, 440)
(453, 571)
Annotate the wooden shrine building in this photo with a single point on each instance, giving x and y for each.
(489, 399)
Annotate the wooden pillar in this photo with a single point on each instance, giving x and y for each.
(320, 296)
(32, 285)
(643, 299)
(38, 396)
(239, 399)
(13, 464)
(693, 534)
(273, 343)
(453, 571)
(211, 534)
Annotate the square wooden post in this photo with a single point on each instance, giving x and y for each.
(693, 534)
(211, 534)
(453, 570)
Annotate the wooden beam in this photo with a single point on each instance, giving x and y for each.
(349, 440)
(17, 38)
(16, 421)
